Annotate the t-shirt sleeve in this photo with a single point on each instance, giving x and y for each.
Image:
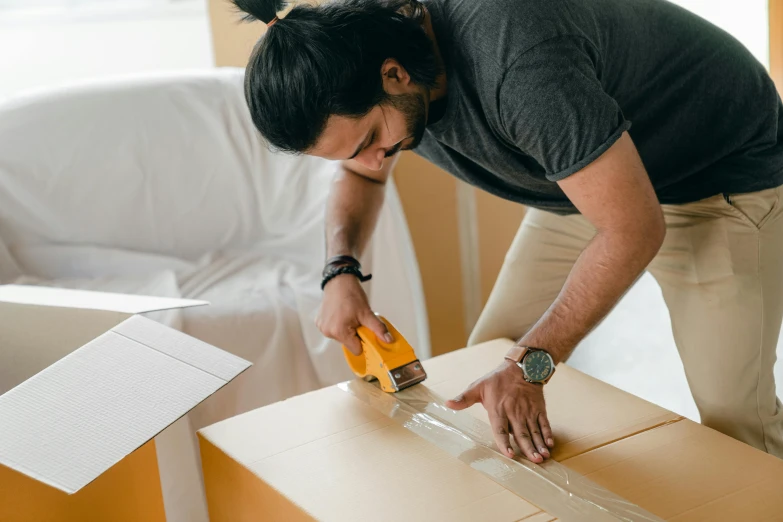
(553, 107)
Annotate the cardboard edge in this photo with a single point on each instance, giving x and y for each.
(192, 304)
(22, 470)
(188, 303)
(207, 430)
(182, 302)
(205, 444)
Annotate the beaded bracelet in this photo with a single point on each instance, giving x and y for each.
(349, 269)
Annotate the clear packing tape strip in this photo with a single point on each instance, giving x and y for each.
(551, 486)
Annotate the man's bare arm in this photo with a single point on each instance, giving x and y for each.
(354, 204)
(615, 194)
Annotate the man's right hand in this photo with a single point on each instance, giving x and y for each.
(344, 308)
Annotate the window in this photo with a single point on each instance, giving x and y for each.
(746, 20)
(46, 4)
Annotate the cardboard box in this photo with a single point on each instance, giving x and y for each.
(85, 384)
(327, 455)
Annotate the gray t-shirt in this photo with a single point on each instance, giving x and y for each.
(538, 89)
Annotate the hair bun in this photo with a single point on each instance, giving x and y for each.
(263, 10)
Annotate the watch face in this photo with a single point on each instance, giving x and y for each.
(537, 366)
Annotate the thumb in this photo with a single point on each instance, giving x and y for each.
(467, 399)
(371, 321)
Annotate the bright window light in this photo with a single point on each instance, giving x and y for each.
(746, 20)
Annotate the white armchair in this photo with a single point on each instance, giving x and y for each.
(160, 185)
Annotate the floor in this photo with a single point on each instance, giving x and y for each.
(634, 350)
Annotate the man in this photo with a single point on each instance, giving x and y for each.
(534, 101)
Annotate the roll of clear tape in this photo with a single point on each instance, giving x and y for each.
(552, 487)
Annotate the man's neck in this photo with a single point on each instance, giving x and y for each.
(439, 91)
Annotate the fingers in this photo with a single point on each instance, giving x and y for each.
(546, 430)
(344, 331)
(351, 341)
(467, 399)
(343, 310)
(524, 441)
(535, 436)
(371, 321)
(500, 432)
(514, 407)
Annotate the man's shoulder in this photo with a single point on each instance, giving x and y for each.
(496, 32)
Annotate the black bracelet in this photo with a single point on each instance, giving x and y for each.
(343, 260)
(344, 270)
(336, 262)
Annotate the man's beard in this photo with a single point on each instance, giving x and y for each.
(414, 110)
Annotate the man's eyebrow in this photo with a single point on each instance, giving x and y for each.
(363, 144)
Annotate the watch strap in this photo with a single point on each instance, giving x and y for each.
(517, 353)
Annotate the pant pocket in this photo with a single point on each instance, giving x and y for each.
(756, 208)
(711, 252)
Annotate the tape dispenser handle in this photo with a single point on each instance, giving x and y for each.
(370, 341)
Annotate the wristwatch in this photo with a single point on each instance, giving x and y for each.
(536, 364)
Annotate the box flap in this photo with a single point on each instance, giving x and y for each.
(64, 297)
(71, 422)
(585, 413)
(183, 347)
(35, 337)
(687, 472)
(336, 458)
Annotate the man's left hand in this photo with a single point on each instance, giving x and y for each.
(516, 407)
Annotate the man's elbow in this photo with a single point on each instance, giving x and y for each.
(640, 240)
(653, 233)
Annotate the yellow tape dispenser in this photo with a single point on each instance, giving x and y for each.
(394, 364)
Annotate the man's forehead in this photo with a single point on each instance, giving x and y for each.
(341, 136)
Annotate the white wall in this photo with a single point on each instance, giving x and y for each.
(747, 20)
(71, 44)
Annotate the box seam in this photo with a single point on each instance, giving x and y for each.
(171, 356)
(627, 436)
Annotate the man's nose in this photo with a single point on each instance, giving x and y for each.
(372, 158)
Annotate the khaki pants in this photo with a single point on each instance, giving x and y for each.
(721, 273)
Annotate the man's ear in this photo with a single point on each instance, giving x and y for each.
(396, 79)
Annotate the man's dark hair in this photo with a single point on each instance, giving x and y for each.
(326, 60)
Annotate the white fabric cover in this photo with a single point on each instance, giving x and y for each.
(160, 185)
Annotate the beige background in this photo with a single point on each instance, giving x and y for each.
(776, 41)
(455, 290)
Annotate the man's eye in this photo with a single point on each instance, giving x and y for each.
(394, 150)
